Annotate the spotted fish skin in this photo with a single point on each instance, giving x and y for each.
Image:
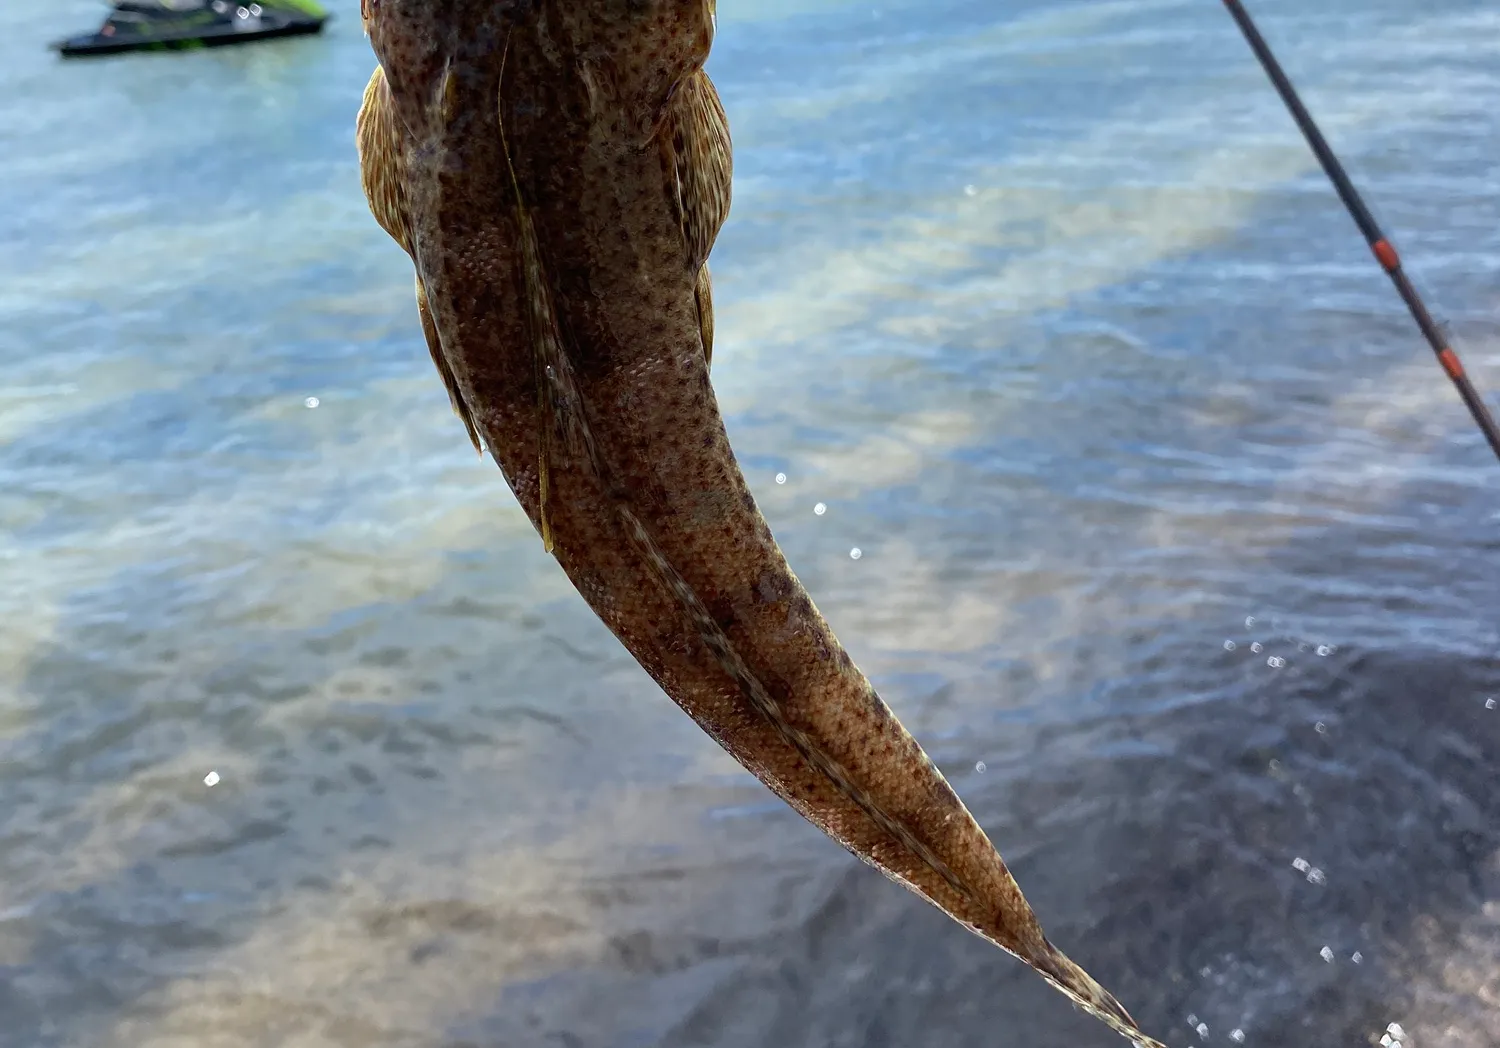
(558, 170)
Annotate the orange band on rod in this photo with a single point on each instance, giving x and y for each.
(1451, 363)
(1386, 254)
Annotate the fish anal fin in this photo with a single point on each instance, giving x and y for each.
(704, 294)
(435, 347)
(381, 160)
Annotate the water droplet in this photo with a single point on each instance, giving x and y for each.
(970, 191)
(981, 767)
(1256, 648)
(1230, 645)
(820, 509)
(1249, 622)
(1320, 728)
(1276, 662)
(311, 402)
(1237, 1036)
(1324, 649)
(1315, 876)
(781, 478)
(1300, 864)
(856, 553)
(1357, 957)
(1326, 954)
(211, 779)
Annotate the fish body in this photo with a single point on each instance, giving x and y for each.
(557, 171)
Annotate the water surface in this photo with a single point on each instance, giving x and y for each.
(1166, 519)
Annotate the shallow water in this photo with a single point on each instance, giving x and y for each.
(1166, 518)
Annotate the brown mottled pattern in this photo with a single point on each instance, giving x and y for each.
(558, 172)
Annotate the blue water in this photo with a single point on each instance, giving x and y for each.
(1165, 515)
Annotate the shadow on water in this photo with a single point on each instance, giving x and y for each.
(1161, 851)
(420, 817)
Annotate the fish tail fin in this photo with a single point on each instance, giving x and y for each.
(1079, 986)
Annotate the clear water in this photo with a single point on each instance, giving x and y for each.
(1045, 302)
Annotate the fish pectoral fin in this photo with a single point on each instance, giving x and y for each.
(703, 293)
(435, 347)
(698, 165)
(377, 138)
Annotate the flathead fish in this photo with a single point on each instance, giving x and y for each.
(558, 171)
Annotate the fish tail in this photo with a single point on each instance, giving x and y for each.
(1080, 987)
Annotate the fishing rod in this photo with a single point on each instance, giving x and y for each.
(1385, 254)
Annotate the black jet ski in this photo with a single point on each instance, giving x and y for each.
(175, 25)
